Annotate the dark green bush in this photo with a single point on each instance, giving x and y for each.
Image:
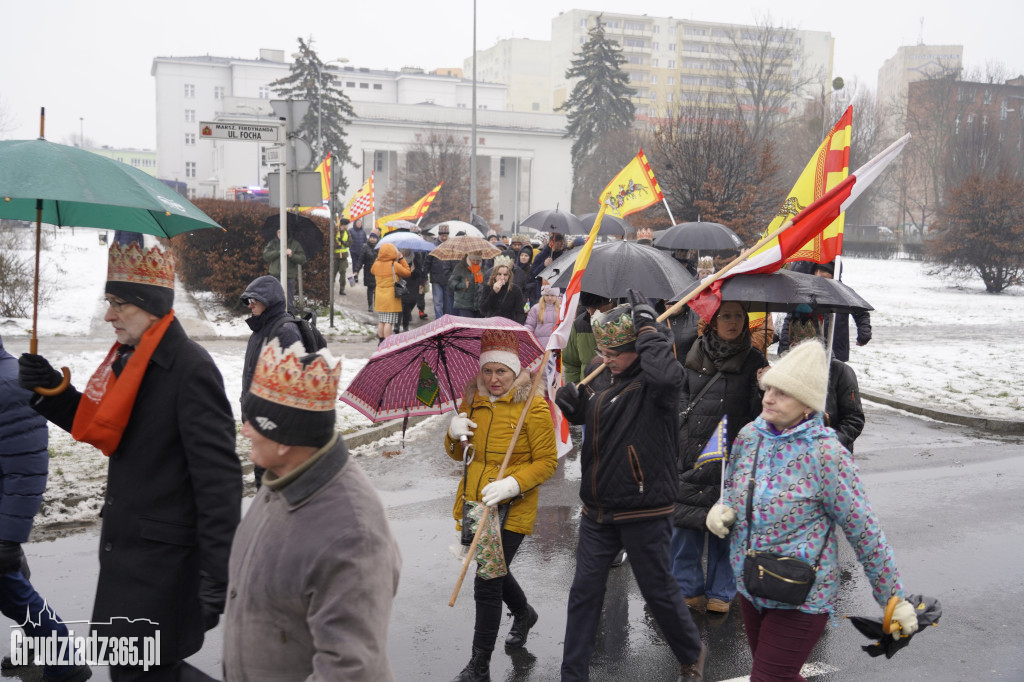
(225, 262)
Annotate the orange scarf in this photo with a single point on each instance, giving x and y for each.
(478, 275)
(107, 401)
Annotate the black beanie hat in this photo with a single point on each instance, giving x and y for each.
(144, 278)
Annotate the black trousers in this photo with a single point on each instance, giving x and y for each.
(489, 595)
(646, 542)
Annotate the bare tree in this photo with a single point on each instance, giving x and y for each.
(439, 156)
(710, 167)
(763, 57)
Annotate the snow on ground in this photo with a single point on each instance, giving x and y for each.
(950, 347)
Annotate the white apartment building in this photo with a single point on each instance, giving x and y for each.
(392, 108)
(671, 60)
(523, 65)
(910, 64)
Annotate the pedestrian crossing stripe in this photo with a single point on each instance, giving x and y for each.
(809, 670)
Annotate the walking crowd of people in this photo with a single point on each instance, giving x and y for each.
(305, 599)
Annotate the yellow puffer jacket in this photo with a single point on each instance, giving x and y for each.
(533, 460)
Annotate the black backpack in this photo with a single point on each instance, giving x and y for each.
(312, 339)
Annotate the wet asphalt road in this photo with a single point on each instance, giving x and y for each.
(950, 501)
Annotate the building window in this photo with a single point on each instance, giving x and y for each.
(501, 168)
(190, 169)
(364, 86)
(350, 84)
(378, 86)
(190, 116)
(956, 125)
(190, 90)
(671, 47)
(378, 162)
(970, 120)
(668, 97)
(190, 138)
(264, 92)
(535, 106)
(671, 63)
(191, 192)
(654, 46)
(218, 92)
(959, 94)
(671, 80)
(654, 77)
(988, 97)
(654, 62)
(1002, 110)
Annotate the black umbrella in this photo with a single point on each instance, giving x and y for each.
(698, 236)
(615, 267)
(299, 227)
(610, 225)
(928, 610)
(784, 290)
(554, 220)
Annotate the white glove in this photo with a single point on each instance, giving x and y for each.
(906, 616)
(720, 520)
(495, 492)
(460, 427)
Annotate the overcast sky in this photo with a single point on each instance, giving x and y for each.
(88, 61)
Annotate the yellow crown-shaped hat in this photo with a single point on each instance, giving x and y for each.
(134, 265)
(283, 379)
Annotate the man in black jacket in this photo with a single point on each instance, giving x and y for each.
(628, 485)
(174, 482)
(439, 271)
(265, 299)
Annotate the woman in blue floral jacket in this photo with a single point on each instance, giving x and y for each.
(804, 491)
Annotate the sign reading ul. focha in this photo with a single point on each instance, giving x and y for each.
(247, 132)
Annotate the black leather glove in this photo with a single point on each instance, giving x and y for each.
(11, 557)
(212, 594)
(568, 398)
(34, 371)
(643, 312)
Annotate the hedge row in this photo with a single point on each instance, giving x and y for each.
(225, 262)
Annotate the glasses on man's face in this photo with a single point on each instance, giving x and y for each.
(116, 305)
(608, 354)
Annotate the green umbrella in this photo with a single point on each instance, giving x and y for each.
(67, 186)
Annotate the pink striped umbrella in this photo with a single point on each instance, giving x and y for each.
(423, 371)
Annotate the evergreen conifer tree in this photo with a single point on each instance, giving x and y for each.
(310, 80)
(599, 102)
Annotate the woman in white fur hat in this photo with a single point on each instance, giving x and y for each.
(790, 488)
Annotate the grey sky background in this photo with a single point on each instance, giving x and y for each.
(91, 60)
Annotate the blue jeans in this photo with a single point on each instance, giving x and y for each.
(686, 549)
(647, 545)
(20, 602)
(444, 301)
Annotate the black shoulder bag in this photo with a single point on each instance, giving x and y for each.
(770, 576)
(685, 414)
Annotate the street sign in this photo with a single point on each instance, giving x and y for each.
(246, 132)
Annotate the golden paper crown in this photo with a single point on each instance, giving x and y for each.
(134, 265)
(499, 340)
(281, 378)
(644, 233)
(614, 328)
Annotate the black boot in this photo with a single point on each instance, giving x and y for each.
(521, 624)
(478, 669)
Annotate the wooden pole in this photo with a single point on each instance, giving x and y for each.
(704, 285)
(501, 474)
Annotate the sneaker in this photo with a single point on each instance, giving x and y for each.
(718, 606)
(423, 315)
(694, 672)
(695, 603)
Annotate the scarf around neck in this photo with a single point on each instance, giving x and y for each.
(719, 351)
(106, 404)
(477, 270)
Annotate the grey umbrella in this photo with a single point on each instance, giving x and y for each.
(554, 220)
(610, 225)
(698, 236)
(615, 267)
(784, 290)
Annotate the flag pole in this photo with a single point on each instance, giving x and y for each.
(501, 474)
(704, 285)
(670, 216)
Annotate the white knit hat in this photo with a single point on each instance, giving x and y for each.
(801, 373)
(500, 346)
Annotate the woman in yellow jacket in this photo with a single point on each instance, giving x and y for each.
(389, 266)
(488, 414)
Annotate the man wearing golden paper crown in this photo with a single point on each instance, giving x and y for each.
(628, 461)
(156, 407)
(314, 566)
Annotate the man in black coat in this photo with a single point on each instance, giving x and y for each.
(265, 300)
(628, 489)
(174, 483)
